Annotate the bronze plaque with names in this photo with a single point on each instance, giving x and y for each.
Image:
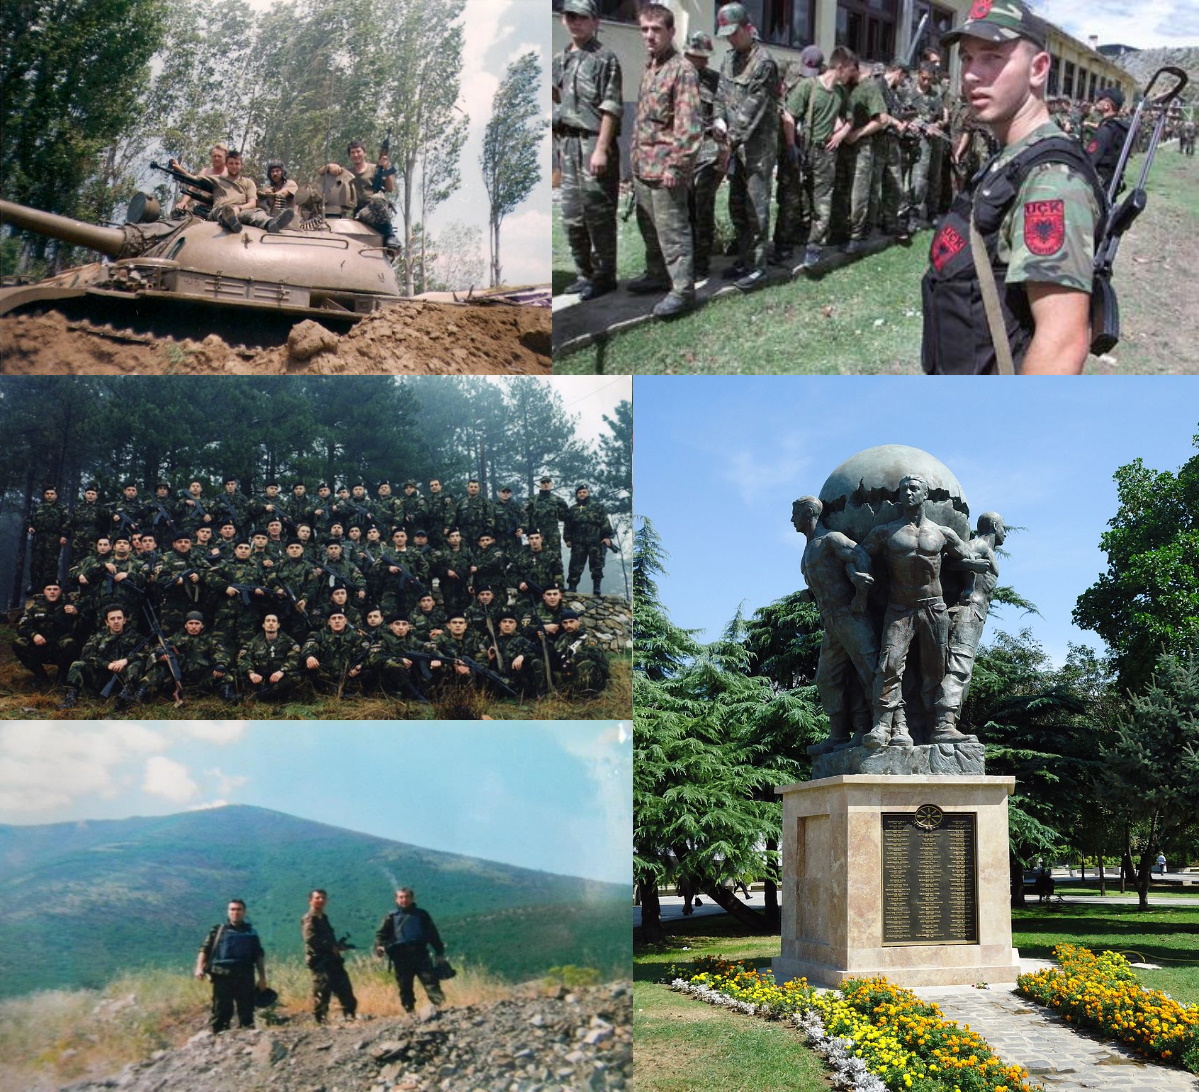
(930, 878)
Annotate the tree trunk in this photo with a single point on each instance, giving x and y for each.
(729, 903)
(18, 582)
(1016, 880)
(1102, 871)
(771, 891)
(1143, 869)
(651, 912)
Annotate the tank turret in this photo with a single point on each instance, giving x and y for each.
(324, 268)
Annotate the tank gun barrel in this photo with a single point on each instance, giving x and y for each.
(107, 240)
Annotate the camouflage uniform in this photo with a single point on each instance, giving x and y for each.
(474, 516)
(230, 506)
(455, 592)
(926, 152)
(423, 624)
(508, 520)
(588, 85)
(748, 103)
(51, 621)
(545, 512)
(384, 666)
(789, 225)
(198, 657)
(127, 517)
(818, 111)
(264, 658)
(441, 511)
(88, 522)
(510, 646)
(1046, 236)
(413, 509)
(90, 671)
(50, 522)
(323, 958)
(128, 594)
(580, 663)
(666, 139)
(709, 173)
(448, 648)
(176, 599)
(888, 171)
(336, 653)
(491, 567)
(586, 527)
(393, 598)
(856, 160)
(236, 620)
(980, 145)
(541, 569)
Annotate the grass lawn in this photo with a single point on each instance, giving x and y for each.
(1167, 935)
(865, 318)
(682, 1045)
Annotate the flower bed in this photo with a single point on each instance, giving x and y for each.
(875, 1035)
(1101, 991)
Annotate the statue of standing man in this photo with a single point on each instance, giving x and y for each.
(912, 549)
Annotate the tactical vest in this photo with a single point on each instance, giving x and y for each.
(235, 948)
(957, 339)
(1109, 159)
(408, 927)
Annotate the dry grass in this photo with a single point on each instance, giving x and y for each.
(57, 1036)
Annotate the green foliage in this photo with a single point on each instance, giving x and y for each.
(151, 888)
(511, 159)
(570, 975)
(1147, 602)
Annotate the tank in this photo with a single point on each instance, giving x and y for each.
(324, 268)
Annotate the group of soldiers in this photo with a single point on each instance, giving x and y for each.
(337, 592)
(847, 148)
(233, 960)
(221, 192)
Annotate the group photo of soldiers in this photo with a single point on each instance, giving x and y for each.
(827, 157)
(457, 588)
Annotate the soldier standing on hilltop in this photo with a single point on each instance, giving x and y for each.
(322, 954)
(405, 936)
(230, 956)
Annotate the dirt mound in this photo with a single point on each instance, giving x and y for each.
(580, 1040)
(409, 338)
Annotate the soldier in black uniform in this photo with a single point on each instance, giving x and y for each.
(230, 956)
(46, 632)
(1105, 146)
(404, 936)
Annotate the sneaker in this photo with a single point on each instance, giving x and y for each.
(601, 286)
(674, 304)
(646, 285)
(228, 218)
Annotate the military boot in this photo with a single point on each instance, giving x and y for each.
(595, 587)
(573, 586)
(277, 223)
(227, 693)
(70, 698)
(227, 217)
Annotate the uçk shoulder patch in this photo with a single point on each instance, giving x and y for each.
(980, 10)
(1044, 226)
(946, 244)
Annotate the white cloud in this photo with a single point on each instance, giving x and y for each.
(167, 778)
(213, 731)
(226, 783)
(45, 766)
(1138, 23)
(757, 478)
(209, 806)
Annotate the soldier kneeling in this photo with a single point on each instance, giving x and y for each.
(46, 633)
(111, 658)
(582, 664)
(203, 662)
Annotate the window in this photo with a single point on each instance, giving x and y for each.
(1068, 81)
(788, 23)
(614, 11)
(868, 27)
(1055, 75)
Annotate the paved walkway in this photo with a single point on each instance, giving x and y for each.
(1057, 1055)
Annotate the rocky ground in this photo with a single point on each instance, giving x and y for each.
(414, 337)
(577, 1039)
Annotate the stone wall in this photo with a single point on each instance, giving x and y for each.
(608, 618)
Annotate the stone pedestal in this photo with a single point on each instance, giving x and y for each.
(834, 889)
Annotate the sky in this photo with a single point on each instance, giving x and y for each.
(718, 462)
(552, 796)
(1143, 24)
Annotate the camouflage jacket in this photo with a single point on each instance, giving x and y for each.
(265, 657)
(541, 568)
(586, 84)
(570, 649)
(260, 510)
(928, 106)
(49, 620)
(451, 648)
(544, 513)
(296, 575)
(231, 572)
(88, 521)
(103, 648)
(587, 524)
(749, 98)
(423, 624)
(330, 573)
(203, 652)
(508, 518)
(387, 650)
(174, 565)
(335, 651)
(126, 516)
(413, 510)
(229, 506)
(50, 520)
(666, 135)
(491, 567)
(444, 560)
(474, 516)
(128, 592)
(510, 646)
(441, 509)
(709, 85)
(477, 617)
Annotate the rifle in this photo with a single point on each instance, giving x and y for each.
(381, 175)
(294, 600)
(539, 629)
(405, 577)
(184, 495)
(495, 644)
(350, 667)
(1105, 309)
(247, 590)
(914, 46)
(116, 676)
(165, 649)
(474, 665)
(184, 578)
(162, 515)
(198, 187)
(926, 129)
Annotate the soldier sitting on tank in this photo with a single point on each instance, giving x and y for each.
(217, 170)
(276, 199)
(369, 185)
